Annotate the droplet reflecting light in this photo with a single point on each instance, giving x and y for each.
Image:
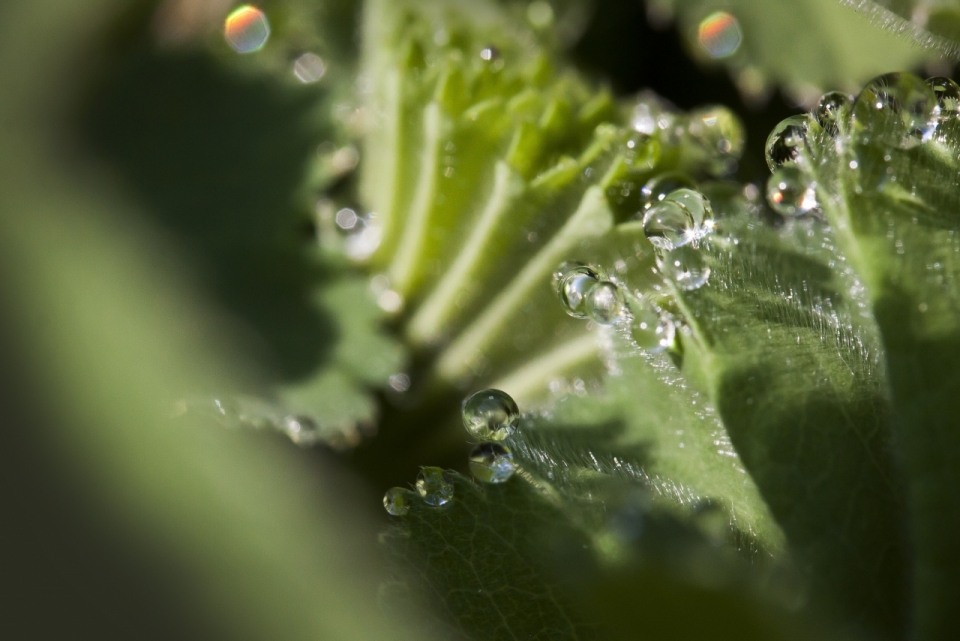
(247, 29)
(720, 35)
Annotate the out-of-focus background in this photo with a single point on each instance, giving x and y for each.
(151, 211)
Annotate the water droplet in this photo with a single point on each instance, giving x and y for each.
(685, 266)
(492, 463)
(302, 430)
(434, 486)
(309, 68)
(669, 225)
(903, 95)
(490, 54)
(604, 303)
(491, 415)
(698, 207)
(948, 95)
(658, 187)
(720, 35)
(363, 233)
(718, 132)
(786, 141)
(790, 193)
(651, 114)
(652, 330)
(831, 110)
(246, 29)
(573, 286)
(396, 501)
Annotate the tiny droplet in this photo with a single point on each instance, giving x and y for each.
(948, 96)
(831, 109)
(434, 487)
(490, 415)
(492, 463)
(652, 330)
(396, 501)
(786, 141)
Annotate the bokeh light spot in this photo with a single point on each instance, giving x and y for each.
(247, 29)
(719, 34)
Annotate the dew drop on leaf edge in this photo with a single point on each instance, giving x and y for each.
(490, 415)
(786, 141)
(948, 95)
(396, 501)
(492, 463)
(831, 109)
(433, 486)
(900, 106)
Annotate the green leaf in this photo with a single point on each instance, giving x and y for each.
(887, 182)
(796, 373)
(804, 46)
(207, 534)
(511, 561)
(222, 159)
(932, 25)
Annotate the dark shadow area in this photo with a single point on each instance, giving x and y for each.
(217, 158)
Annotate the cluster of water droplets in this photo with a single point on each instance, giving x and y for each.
(676, 224)
(490, 415)
(586, 293)
(897, 109)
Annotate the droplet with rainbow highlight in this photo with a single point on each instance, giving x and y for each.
(246, 29)
(719, 34)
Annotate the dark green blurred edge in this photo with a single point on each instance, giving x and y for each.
(117, 522)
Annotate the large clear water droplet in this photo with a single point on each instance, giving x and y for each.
(832, 108)
(605, 303)
(573, 283)
(787, 141)
(491, 415)
(790, 193)
(685, 266)
(652, 330)
(948, 96)
(492, 463)
(396, 501)
(909, 103)
(697, 206)
(669, 225)
(434, 486)
(658, 187)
